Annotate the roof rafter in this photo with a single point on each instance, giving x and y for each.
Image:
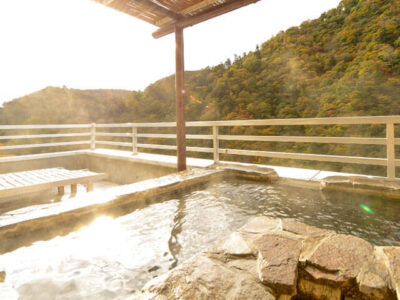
(124, 5)
(159, 8)
(188, 10)
(209, 13)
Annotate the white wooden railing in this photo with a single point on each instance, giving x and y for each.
(91, 131)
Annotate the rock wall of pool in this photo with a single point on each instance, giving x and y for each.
(175, 234)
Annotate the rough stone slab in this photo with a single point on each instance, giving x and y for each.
(373, 281)
(250, 172)
(362, 184)
(310, 244)
(204, 278)
(344, 181)
(301, 228)
(277, 262)
(245, 265)
(340, 258)
(318, 275)
(393, 255)
(233, 245)
(263, 224)
(371, 183)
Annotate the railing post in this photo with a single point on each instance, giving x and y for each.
(134, 140)
(93, 136)
(390, 150)
(215, 144)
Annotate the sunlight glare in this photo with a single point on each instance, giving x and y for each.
(100, 237)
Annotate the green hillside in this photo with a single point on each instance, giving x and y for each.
(345, 63)
(62, 105)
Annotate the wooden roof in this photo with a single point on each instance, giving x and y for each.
(168, 14)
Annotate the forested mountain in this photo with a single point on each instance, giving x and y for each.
(345, 63)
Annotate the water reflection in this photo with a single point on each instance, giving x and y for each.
(173, 241)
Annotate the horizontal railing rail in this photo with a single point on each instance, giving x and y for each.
(96, 138)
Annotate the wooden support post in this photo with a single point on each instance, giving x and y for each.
(74, 189)
(180, 100)
(93, 136)
(390, 149)
(134, 140)
(89, 186)
(215, 144)
(60, 190)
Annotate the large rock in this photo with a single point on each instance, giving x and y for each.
(205, 278)
(339, 259)
(393, 255)
(234, 244)
(259, 225)
(277, 262)
(374, 279)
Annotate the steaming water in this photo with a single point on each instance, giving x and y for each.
(111, 258)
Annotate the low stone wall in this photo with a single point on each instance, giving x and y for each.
(124, 171)
(69, 160)
(120, 170)
(376, 186)
(282, 259)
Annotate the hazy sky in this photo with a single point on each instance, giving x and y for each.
(82, 44)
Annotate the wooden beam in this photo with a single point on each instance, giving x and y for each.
(201, 17)
(158, 8)
(180, 99)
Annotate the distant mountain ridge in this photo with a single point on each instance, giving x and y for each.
(54, 105)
